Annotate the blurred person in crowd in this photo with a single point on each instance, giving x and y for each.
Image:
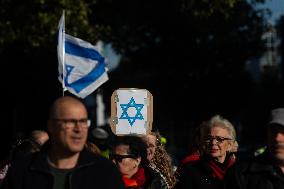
(159, 159)
(129, 153)
(194, 151)
(4, 166)
(21, 148)
(217, 140)
(101, 138)
(39, 136)
(3, 171)
(151, 142)
(32, 144)
(63, 161)
(93, 148)
(25, 147)
(234, 150)
(266, 170)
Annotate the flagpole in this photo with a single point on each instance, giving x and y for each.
(63, 53)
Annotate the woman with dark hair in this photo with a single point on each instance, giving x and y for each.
(129, 153)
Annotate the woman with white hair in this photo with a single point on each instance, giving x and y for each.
(217, 141)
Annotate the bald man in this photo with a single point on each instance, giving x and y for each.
(64, 162)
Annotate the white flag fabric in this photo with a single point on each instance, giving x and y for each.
(82, 68)
(61, 48)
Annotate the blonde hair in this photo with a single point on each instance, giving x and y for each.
(163, 162)
(93, 148)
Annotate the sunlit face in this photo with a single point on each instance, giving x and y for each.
(127, 165)
(69, 139)
(41, 138)
(276, 142)
(217, 142)
(151, 142)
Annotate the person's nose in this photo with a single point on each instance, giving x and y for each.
(77, 127)
(279, 137)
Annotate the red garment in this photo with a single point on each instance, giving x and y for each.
(190, 158)
(219, 172)
(129, 182)
(137, 180)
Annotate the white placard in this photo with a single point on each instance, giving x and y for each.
(132, 110)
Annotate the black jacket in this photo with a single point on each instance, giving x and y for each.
(92, 171)
(198, 175)
(259, 173)
(154, 180)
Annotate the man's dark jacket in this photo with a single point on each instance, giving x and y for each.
(91, 172)
(258, 173)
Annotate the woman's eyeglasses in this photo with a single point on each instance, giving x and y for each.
(218, 139)
(119, 158)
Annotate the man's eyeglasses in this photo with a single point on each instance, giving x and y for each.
(70, 123)
(119, 158)
(218, 139)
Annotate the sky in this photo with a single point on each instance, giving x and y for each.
(276, 7)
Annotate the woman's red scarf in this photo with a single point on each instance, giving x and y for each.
(137, 180)
(218, 171)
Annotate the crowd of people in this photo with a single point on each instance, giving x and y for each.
(62, 157)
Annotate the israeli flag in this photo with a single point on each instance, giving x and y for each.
(81, 67)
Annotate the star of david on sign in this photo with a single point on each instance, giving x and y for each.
(138, 114)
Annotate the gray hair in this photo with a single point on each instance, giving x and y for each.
(219, 121)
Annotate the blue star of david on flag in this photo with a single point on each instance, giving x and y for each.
(138, 114)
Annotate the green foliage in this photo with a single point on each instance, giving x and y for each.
(34, 22)
(205, 8)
